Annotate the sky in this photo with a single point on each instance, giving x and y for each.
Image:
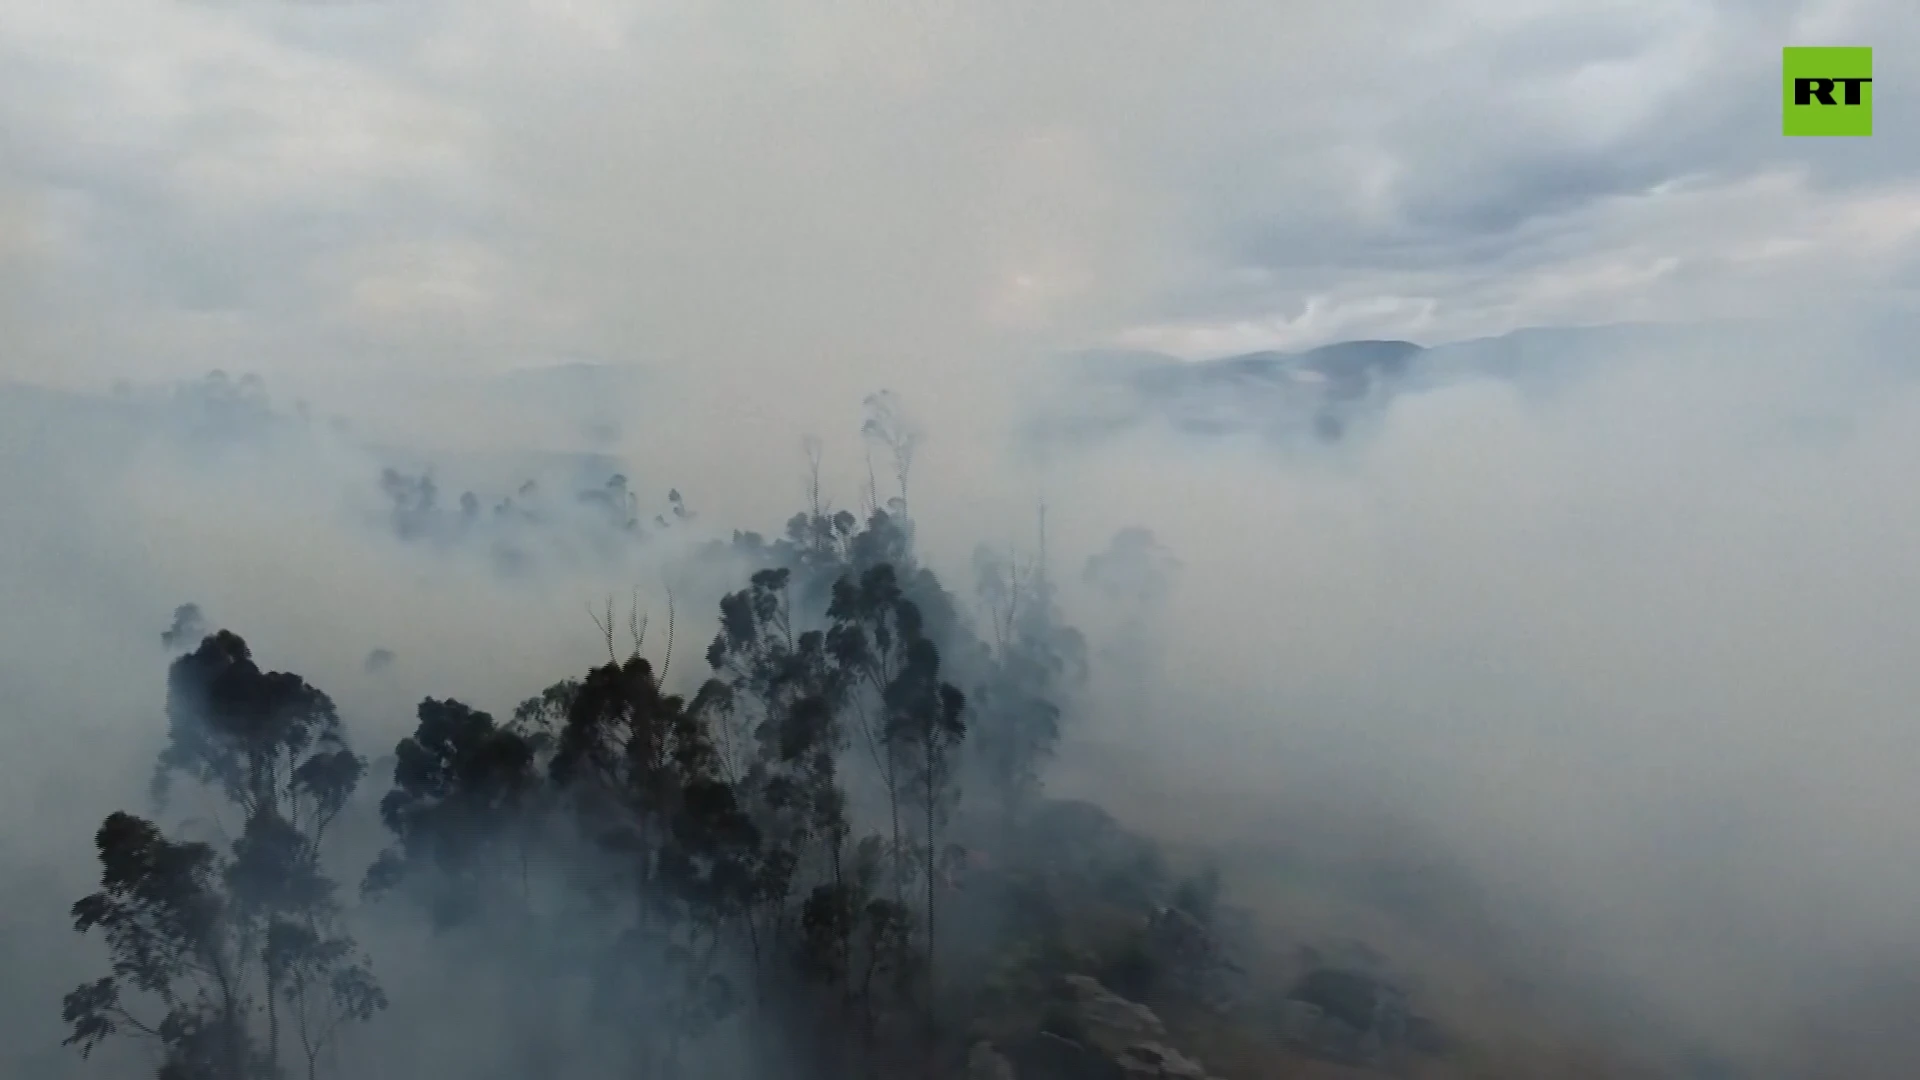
(353, 187)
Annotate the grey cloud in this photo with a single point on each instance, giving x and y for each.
(621, 179)
(1498, 169)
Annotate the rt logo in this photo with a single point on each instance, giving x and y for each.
(1827, 91)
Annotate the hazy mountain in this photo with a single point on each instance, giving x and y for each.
(1321, 394)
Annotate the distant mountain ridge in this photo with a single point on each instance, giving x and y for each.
(1318, 394)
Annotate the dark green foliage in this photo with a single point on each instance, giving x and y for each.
(239, 951)
(460, 785)
(266, 740)
(218, 945)
(854, 939)
(163, 917)
(1017, 681)
(913, 723)
(1033, 665)
(775, 850)
(415, 501)
(617, 502)
(189, 626)
(644, 776)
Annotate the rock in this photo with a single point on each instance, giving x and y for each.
(1115, 1039)
(1300, 1020)
(1346, 1016)
(1111, 1022)
(1047, 1056)
(1192, 960)
(1178, 931)
(1156, 1061)
(986, 1063)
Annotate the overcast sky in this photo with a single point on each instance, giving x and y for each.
(340, 186)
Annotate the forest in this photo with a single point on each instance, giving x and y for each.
(834, 856)
(805, 833)
(804, 806)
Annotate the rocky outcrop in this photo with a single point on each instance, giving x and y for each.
(1192, 961)
(986, 1063)
(1345, 1016)
(1110, 1021)
(1150, 1060)
(1096, 1034)
(1048, 1056)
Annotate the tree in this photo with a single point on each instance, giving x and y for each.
(783, 695)
(168, 930)
(232, 942)
(415, 502)
(1034, 660)
(779, 829)
(858, 945)
(644, 776)
(910, 717)
(458, 808)
(924, 725)
(468, 809)
(189, 625)
(774, 704)
(888, 425)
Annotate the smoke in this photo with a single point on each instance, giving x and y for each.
(1637, 649)
(1619, 654)
(1629, 653)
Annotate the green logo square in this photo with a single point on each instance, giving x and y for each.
(1826, 91)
